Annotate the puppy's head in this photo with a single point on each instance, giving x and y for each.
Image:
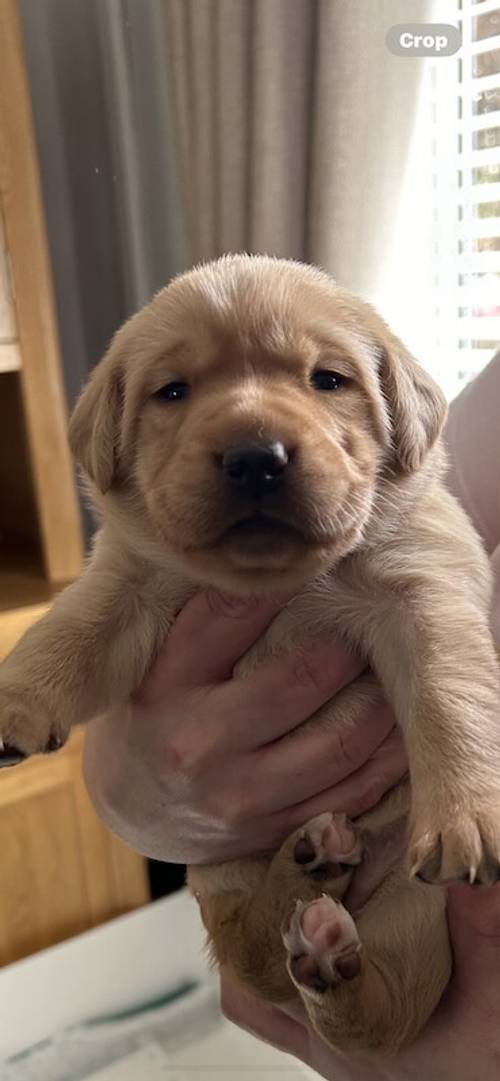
(249, 414)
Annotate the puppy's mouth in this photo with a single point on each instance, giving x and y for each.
(260, 525)
(255, 540)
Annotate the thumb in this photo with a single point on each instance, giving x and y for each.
(474, 923)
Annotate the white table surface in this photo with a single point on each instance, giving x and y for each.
(118, 966)
(111, 968)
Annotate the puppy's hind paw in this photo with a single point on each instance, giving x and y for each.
(323, 946)
(327, 846)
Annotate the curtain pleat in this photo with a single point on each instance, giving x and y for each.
(365, 104)
(294, 125)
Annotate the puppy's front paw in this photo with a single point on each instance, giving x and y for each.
(327, 846)
(322, 944)
(463, 847)
(26, 728)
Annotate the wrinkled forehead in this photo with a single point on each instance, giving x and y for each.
(198, 325)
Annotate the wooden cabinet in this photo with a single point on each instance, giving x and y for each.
(40, 525)
(60, 869)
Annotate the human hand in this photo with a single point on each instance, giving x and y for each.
(461, 1041)
(205, 767)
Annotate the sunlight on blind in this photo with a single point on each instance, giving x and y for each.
(466, 152)
(439, 280)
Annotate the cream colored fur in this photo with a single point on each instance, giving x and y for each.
(387, 560)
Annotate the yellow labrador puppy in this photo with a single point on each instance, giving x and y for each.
(258, 428)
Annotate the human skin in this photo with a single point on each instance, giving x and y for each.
(203, 767)
(191, 806)
(461, 1041)
(193, 675)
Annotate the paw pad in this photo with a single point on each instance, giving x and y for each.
(327, 843)
(323, 945)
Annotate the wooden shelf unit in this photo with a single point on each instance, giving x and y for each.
(24, 595)
(10, 354)
(39, 512)
(61, 870)
(10, 357)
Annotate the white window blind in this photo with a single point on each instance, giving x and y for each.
(465, 103)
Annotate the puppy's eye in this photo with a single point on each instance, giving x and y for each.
(325, 380)
(173, 392)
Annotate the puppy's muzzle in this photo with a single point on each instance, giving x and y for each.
(255, 469)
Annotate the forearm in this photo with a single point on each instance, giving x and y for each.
(90, 651)
(77, 656)
(472, 437)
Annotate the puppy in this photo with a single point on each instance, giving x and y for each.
(257, 428)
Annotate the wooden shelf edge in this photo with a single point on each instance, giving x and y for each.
(41, 772)
(10, 357)
(41, 378)
(15, 621)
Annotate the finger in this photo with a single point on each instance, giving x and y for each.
(283, 693)
(262, 1019)
(365, 788)
(295, 1008)
(360, 792)
(474, 922)
(209, 635)
(298, 768)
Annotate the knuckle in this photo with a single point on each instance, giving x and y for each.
(325, 668)
(227, 807)
(184, 755)
(223, 604)
(375, 788)
(215, 805)
(304, 671)
(349, 754)
(238, 811)
(369, 793)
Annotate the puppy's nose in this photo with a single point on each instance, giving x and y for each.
(255, 468)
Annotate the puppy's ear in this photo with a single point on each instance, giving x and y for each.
(94, 429)
(417, 406)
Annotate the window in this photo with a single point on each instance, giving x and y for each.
(440, 284)
(466, 181)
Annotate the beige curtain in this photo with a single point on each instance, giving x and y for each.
(293, 123)
(173, 130)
